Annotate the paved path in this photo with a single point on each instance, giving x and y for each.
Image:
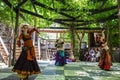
(71, 71)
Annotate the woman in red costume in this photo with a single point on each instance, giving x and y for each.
(105, 61)
(26, 64)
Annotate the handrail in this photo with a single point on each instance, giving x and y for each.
(2, 57)
(6, 50)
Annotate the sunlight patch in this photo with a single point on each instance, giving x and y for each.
(96, 78)
(114, 73)
(95, 71)
(81, 73)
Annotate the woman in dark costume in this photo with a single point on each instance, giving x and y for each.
(26, 64)
(60, 55)
(105, 61)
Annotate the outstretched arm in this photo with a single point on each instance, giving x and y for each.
(34, 29)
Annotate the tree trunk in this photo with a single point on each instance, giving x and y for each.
(79, 40)
(15, 35)
(109, 40)
(119, 25)
(91, 38)
(72, 39)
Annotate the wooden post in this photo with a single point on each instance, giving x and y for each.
(88, 40)
(34, 34)
(119, 25)
(80, 37)
(39, 47)
(46, 49)
(72, 39)
(15, 35)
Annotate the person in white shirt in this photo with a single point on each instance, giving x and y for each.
(92, 55)
(97, 55)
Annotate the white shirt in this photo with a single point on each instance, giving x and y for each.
(98, 54)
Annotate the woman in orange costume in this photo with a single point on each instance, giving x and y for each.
(26, 64)
(105, 61)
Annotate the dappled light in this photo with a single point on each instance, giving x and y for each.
(71, 71)
(60, 39)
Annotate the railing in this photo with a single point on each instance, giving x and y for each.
(1, 57)
(39, 48)
(43, 47)
(5, 58)
(4, 46)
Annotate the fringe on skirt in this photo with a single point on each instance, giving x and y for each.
(25, 67)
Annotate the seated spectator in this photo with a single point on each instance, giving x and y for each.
(97, 55)
(86, 56)
(92, 55)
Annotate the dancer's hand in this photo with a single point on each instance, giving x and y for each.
(103, 31)
(37, 30)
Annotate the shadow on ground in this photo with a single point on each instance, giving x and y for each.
(15, 77)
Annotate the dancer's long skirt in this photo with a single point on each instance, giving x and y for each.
(25, 67)
(60, 58)
(105, 61)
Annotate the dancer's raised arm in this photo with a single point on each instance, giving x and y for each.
(103, 34)
(34, 29)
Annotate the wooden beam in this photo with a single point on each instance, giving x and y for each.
(111, 17)
(51, 9)
(32, 2)
(103, 3)
(93, 11)
(53, 31)
(70, 20)
(21, 3)
(8, 3)
(40, 16)
(65, 28)
(14, 9)
(60, 21)
(22, 16)
(97, 11)
(89, 28)
(102, 10)
(32, 13)
(61, 1)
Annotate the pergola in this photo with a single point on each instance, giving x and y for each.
(72, 22)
